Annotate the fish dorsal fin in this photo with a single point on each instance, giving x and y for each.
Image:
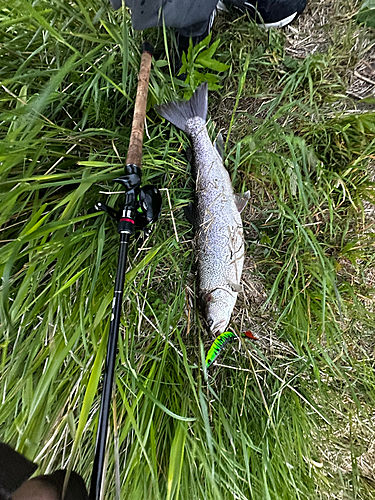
(241, 200)
(219, 145)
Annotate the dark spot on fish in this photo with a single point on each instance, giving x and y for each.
(143, 2)
(207, 297)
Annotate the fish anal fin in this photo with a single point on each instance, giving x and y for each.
(241, 200)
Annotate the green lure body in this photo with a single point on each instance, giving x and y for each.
(220, 342)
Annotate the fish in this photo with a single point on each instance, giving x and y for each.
(220, 248)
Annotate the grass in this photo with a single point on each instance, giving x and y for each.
(288, 416)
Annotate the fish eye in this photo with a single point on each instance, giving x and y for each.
(210, 322)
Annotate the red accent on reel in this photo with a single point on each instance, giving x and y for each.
(127, 220)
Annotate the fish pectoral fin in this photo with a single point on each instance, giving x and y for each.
(219, 145)
(241, 200)
(189, 212)
(235, 287)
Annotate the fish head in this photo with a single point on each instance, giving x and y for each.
(219, 305)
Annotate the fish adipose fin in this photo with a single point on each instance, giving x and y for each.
(179, 112)
(219, 145)
(189, 154)
(241, 200)
(189, 213)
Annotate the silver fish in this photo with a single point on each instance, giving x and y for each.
(219, 232)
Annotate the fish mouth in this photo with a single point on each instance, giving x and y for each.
(219, 327)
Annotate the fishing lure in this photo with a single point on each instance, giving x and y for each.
(221, 341)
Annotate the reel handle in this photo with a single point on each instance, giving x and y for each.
(136, 137)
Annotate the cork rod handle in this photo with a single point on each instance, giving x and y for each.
(136, 137)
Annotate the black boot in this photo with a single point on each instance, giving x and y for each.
(270, 13)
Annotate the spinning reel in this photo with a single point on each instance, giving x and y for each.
(142, 204)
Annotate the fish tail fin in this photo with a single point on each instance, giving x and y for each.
(179, 112)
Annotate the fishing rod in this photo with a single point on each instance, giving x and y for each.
(142, 206)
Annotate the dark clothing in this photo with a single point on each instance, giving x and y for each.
(189, 17)
(15, 471)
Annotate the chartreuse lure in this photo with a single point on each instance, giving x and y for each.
(220, 342)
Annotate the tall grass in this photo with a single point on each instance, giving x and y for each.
(272, 423)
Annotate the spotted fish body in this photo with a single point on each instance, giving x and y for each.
(219, 233)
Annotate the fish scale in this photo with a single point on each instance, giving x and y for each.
(219, 233)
